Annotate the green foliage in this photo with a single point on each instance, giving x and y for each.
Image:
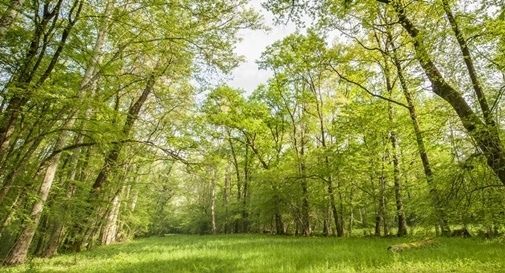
(110, 130)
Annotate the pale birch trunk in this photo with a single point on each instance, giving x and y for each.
(110, 228)
(213, 203)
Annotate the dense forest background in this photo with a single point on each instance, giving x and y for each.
(112, 125)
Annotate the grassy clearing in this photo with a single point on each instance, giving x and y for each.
(263, 254)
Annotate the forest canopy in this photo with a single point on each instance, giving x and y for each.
(381, 117)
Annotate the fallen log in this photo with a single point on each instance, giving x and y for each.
(412, 245)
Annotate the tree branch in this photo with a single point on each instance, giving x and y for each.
(366, 89)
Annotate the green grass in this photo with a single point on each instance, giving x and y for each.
(263, 254)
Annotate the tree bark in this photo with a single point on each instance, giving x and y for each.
(400, 214)
(31, 63)
(306, 230)
(84, 230)
(237, 174)
(20, 249)
(467, 58)
(226, 191)
(113, 155)
(110, 228)
(58, 230)
(382, 211)
(339, 227)
(245, 191)
(486, 136)
(435, 198)
(279, 224)
(213, 203)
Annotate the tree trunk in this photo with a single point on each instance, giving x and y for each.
(400, 214)
(486, 136)
(467, 57)
(213, 202)
(326, 228)
(279, 225)
(435, 198)
(329, 178)
(31, 65)
(238, 177)
(226, 190)
(110, 162)
(20, 249)
(245, 192)
(110, 228)
(382, 201)
(113, 155)
(18, 166)
(54, 240)
(306, 231)
(378, 224)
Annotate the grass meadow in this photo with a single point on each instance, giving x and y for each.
(276, 254)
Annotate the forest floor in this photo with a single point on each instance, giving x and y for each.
(276, 254)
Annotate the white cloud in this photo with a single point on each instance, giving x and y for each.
(248, 76)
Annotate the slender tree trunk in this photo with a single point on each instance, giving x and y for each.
(378, 223)
(279, 225)
(329, 178)
(213, 203)
(20, 249)
(54, 240)
(238, 176)
(110, 228)
(336, 216)
(226, 190)
(245, 211)
(326, 228)
(436, 202)
(382, 209)
(10, 215)
(43, 235)
(58, 231)
(467, 57)
(351, 213)
(376, 195)
(306, 231)
(485, 135)
(364, 218)
(19, 164)
(110, 162)
(113, 155)
(334, 210)
(400, 214)
(31, 65)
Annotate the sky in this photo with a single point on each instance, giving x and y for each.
(248, 76)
